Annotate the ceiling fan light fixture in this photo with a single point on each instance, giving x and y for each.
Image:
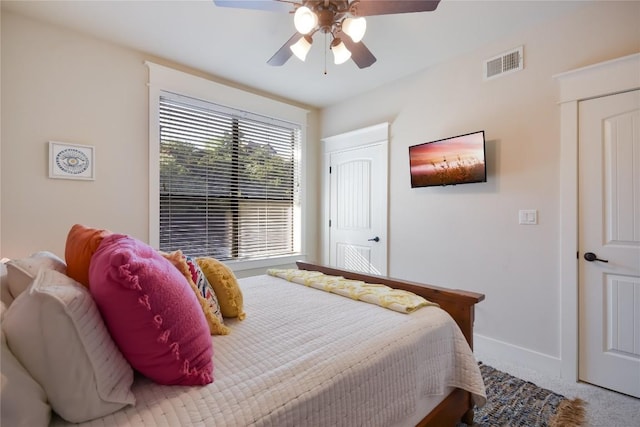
(304, 20)
(355, 28)
(340, 52)
(302, 47)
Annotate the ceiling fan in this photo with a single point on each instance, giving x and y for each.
(343, 20)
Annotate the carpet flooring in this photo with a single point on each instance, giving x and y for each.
(513, 401)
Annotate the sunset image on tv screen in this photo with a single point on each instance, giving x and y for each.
(450, 161)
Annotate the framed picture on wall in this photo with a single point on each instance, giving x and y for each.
(71, 161)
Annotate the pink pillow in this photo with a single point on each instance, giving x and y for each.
(151, 312)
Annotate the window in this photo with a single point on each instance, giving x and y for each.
(229, 181)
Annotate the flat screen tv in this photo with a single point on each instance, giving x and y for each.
(450, 161)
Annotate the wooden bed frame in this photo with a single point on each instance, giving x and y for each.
(458, 406)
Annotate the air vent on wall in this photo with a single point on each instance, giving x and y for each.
(505, 63)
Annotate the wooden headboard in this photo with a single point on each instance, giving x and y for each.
(459, 304)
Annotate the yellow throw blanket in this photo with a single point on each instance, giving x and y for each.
(382, 295)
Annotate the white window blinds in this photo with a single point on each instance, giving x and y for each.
(229, 181)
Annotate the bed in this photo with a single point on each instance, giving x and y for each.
(459, 403)
(304, 357)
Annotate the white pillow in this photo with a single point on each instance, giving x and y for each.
(22, 400)
(21, 272)
(55, 330)
(5, 294)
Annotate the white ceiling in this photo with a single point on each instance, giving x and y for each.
(234, 44)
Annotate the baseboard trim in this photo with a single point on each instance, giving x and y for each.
(492, 349)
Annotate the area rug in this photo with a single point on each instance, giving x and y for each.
(512, 401)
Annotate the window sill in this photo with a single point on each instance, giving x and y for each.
(265, 262)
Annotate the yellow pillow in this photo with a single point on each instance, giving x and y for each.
(225, 285)
(180, 262)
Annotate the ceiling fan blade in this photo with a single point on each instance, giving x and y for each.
(388, 7)
(268, 5)
(360, 54)
(284, 53)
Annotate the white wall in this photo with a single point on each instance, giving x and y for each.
(60, 85)
(468, 236)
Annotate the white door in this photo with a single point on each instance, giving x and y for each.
(609, 242)
(358, 209)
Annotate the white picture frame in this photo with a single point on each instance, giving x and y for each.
(71, 161)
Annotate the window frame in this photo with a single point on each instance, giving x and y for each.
(165, 79)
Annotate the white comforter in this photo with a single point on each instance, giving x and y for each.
(305, 357)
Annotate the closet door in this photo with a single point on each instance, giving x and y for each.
(358, 206)
(609, 241)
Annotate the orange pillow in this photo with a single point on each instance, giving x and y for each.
(82, 243)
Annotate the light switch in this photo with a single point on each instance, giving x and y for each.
(528, 217)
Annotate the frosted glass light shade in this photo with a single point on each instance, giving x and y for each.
(355, 28)
(304, 20)
(301, 47)
(340, 52)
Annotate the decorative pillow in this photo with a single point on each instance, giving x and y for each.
(225, 285)
(204, 287)
(151, 312)
(55, 330)
(22, 400)
(211, 312)
(21, 272)
(5, 294)
(82, 242)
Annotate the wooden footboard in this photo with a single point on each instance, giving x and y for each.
(459, 304)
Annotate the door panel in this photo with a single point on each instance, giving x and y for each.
(353, 257)
(622, 302)
(353, 193)
(609, 227)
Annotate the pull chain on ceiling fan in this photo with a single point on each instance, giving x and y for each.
(343, 20)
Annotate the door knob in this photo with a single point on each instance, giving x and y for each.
(590, 256)
(375, 239)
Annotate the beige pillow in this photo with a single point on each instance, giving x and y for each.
(55, 330)
(23, 402)
(5, 294)
(22, 271)
(225, 285)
